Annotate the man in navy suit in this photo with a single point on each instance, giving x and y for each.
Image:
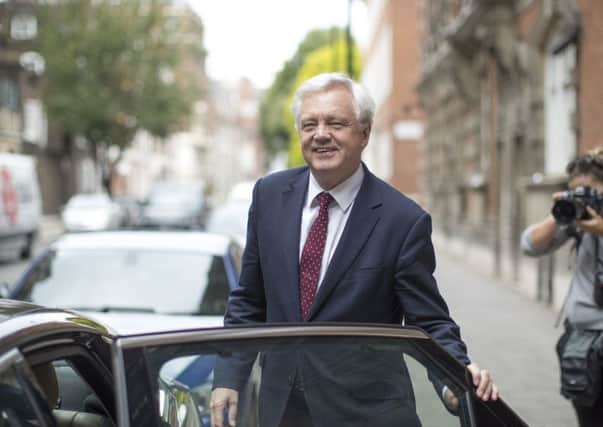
(370, 259)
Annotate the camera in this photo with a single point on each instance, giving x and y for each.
(572, 204)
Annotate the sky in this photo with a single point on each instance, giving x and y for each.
(254, 38)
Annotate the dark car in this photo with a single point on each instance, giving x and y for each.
(57, 365)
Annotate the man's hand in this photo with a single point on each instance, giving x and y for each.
(594, 225)
(221, 399)
(482, 380)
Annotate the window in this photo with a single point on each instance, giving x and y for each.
(124, 279)
(560, 108)
(16, 399)
(345, 380)
(9, 94)
(23, 27)
(73, 382)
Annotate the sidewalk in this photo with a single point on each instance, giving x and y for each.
(511, 335)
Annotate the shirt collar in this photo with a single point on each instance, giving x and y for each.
(344, 193)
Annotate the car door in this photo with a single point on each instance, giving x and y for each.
(20, 402)
(352, 375)
(72, 374)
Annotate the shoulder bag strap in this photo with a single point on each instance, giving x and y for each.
(578, 243)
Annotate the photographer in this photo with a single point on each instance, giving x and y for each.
(576, 216)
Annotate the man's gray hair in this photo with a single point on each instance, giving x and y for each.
(364, 106)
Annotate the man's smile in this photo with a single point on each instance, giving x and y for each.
(324, 149)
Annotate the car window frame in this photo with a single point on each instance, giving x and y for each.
(13, 360)
(82, 351)
(233, 262)
(472, 412)
(21, 281)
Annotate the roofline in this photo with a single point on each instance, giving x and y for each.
(31, 325)
(273, 331)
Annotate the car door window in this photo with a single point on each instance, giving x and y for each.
(346, 380)
(72, 401)
(19, 404)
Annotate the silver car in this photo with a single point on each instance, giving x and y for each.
(136, 281)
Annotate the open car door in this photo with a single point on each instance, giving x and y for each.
(350, 375)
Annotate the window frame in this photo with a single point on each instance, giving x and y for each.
(129, 351)
(13, 360)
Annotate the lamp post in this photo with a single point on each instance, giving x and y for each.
(348, 37)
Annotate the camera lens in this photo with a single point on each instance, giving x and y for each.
(564, 211)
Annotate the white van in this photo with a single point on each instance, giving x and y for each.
(20, 204)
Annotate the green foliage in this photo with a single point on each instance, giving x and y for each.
(108, 69)
(329, 58)
(274, 131)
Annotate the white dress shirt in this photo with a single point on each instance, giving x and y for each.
(344, 195)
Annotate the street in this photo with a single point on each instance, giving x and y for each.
(511, 336)
(506, 332)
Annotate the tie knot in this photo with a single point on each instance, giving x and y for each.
(324, 199)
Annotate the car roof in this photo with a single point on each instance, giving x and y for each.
(185, 241)
(10, 308)
(14, 159)
(20, 321)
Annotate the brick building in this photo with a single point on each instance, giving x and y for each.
(391, 73)
(20, 69)
(510, 94)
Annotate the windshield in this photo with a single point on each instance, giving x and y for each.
(175, 195)
(136, 280)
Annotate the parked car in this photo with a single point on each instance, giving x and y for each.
(20, 205)
(91, 212)
(230, 219)
(138, 279)
(241, 192)
(131, 208)
(57, 365)
(175, 205)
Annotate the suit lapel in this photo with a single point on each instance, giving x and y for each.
(289, 228)
(361, 222)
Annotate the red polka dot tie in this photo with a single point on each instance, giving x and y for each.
(309, 265)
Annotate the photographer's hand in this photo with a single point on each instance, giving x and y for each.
(594, 225)
(558, 195)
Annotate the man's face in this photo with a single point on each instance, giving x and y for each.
(332, 140)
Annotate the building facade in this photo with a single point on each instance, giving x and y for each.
(391, 72)
(21, 119)
(510, 93)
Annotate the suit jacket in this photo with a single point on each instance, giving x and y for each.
(381, 272)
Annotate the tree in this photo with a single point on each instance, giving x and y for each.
(273, 128)
(329, 58)
(109, 69)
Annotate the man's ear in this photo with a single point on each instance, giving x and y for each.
(366, 133)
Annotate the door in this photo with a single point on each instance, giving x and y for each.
(348, 375)
(20, 402)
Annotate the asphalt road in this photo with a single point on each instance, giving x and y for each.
(512, 336)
